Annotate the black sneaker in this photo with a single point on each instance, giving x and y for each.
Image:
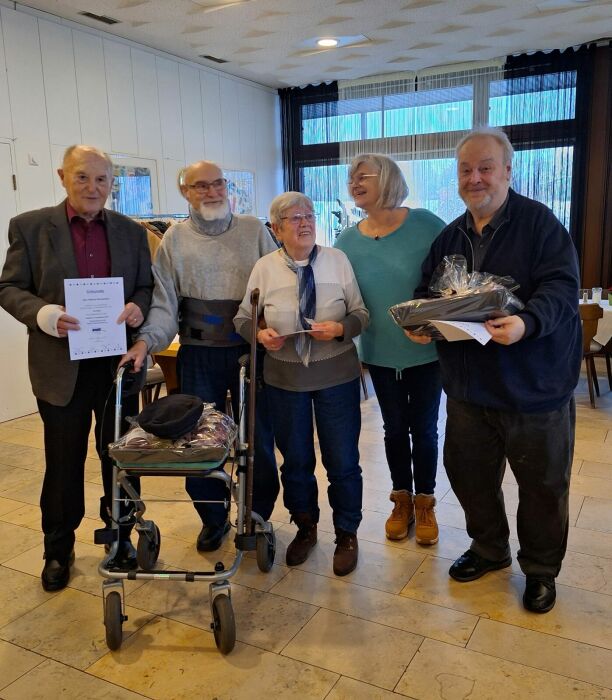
(211, 536)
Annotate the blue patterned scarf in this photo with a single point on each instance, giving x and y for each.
(307, 301)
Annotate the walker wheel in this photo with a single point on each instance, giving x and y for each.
(149, 542)
(224, 624)
(113, 620)
(266, 550)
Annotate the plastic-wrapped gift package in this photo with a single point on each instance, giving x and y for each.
(209, 441)
(458, 295)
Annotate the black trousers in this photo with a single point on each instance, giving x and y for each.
(66, 433)
(539, 448)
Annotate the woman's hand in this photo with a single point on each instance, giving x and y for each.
(420, 339)
(270, 339)
(138, 353)
(326, 330)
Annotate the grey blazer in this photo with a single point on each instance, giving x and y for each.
(39, 258)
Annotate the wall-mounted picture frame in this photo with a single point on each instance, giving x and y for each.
(241, 190)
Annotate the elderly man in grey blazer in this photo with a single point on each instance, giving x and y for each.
(77, 238)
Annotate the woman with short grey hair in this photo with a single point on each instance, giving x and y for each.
(311, 309)
(386, 250)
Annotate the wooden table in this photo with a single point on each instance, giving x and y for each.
(166, 359)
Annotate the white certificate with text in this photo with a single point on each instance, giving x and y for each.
(97, 303)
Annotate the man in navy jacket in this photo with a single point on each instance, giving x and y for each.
(511, 399)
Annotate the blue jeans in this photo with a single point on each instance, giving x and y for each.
(338, 418)
(209, 372)
(409, 403)
(539, 448)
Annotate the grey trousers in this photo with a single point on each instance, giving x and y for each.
(539, 449)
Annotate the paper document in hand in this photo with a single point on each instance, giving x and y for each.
(463, 330)
(289, 335)
(97, 303)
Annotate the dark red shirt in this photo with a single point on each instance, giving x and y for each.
(90, 244)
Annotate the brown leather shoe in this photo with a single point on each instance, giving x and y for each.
(303, 542)
(346, 554)
(426, 529)
(402, 517)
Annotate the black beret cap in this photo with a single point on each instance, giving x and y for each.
(172, 416)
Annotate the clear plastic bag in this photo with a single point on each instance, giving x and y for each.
(458, 295)
(209, 441)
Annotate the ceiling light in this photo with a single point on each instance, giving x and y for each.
(317, 45)
(327, 43)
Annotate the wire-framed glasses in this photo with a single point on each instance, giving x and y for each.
(203, 187)
(357, 180)
(297, 219)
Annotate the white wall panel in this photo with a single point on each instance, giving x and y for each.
(120, 87)
(211, 114)
(268, 174)
(191, 109)
(6, 126)
(230, 124)
(170, 109)
(175, 203)
(57, 155)
(247, 100)
(60, 83)
(91, 89)
(27, 97)
(146, 101)
(15, 394)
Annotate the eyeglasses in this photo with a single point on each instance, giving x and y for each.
(203, 187)
(296, 219)
(358, 179)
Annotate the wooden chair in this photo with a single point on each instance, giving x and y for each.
(590, 315)
(606, 352)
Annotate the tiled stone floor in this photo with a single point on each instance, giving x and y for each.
(396, 627)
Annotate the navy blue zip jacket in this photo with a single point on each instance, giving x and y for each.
(538, 373)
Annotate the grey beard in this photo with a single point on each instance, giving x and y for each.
(214, 212)
(214, 226)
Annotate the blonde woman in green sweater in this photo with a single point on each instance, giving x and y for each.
(386, 250)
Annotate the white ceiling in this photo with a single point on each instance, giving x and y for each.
(272, 42)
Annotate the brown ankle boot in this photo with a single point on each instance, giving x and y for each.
(426, 529)
(304, 540)
(346, 554)
(402, 517)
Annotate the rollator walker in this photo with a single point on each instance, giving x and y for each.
(252, 532)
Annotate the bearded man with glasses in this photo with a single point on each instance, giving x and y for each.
(201, 272)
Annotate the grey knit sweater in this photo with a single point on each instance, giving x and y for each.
(192, 264)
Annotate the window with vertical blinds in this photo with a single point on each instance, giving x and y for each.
(418, 118)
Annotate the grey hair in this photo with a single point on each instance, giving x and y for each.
(393, 187)
(285, 201)
(494, 133)
(70, 151)
(180, 179)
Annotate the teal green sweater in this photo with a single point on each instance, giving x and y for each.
(388, 271)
